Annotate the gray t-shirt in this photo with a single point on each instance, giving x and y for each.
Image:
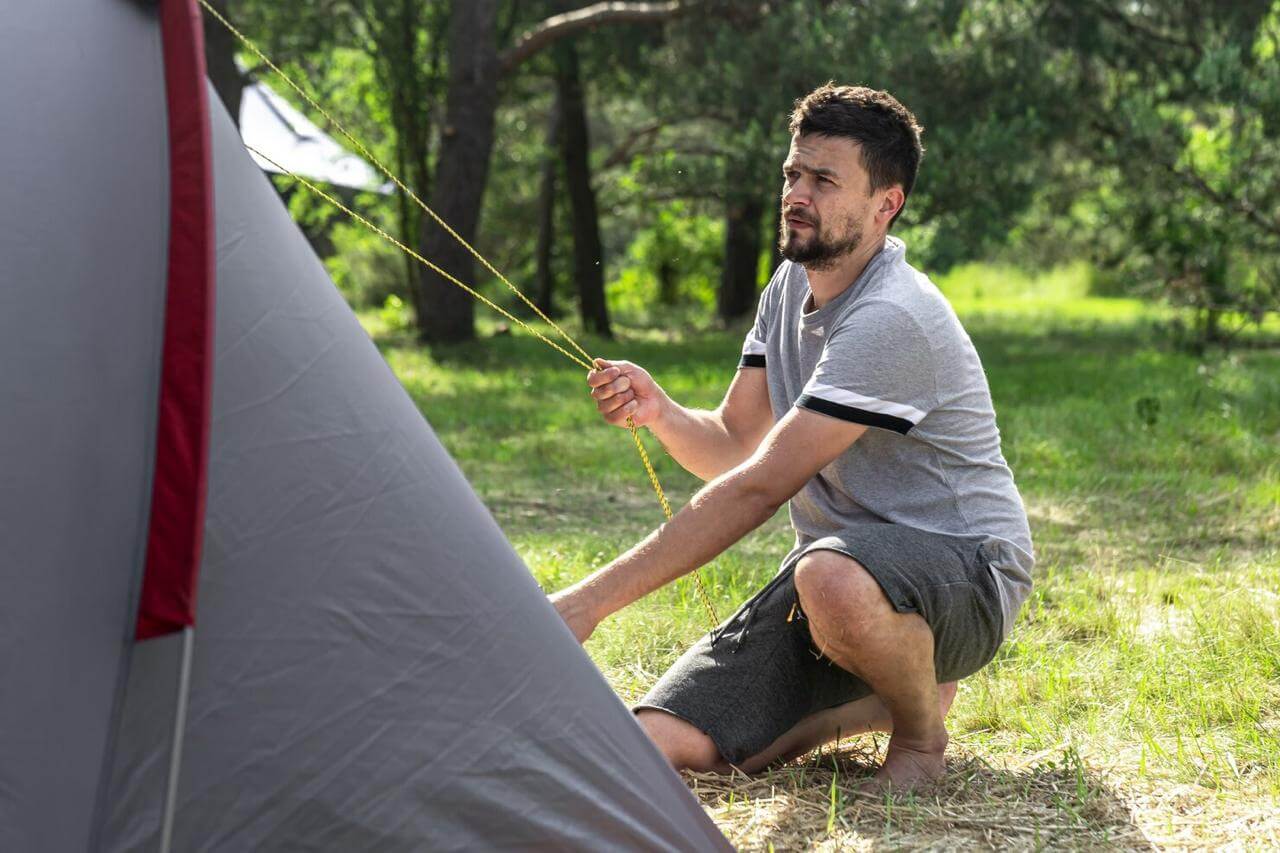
(890, 353)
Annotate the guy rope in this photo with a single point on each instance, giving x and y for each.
(582, 358)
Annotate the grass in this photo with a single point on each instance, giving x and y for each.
(1136, 702)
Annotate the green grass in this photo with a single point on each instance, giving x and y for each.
(1150, 649)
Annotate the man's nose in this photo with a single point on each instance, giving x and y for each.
(796, 195)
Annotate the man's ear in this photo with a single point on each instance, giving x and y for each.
(890, 203)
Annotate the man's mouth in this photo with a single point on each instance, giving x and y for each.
(796, 222)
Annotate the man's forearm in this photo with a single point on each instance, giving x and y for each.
(718, 516)
(698, 440)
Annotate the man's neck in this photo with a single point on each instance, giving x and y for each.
(828, 283)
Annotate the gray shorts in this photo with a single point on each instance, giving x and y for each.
(758, 674)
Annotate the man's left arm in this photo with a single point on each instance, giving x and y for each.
(722, 512)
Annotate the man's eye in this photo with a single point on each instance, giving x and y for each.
(823, 179)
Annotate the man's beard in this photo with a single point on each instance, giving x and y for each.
(822, 250)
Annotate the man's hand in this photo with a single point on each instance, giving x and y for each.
(622, 389)
(573, 608)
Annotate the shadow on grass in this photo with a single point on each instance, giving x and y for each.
(1053, 802)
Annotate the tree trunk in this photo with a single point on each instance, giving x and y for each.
(547, 214)
(220, 54)
(740, 274)
(773, 222)
(397, 66)
(1218, 296)
(575, 146)
(668, 283)
(445, 312)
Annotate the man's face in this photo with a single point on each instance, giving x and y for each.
(826, 201)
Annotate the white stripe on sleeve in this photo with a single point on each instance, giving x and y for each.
(869, 404)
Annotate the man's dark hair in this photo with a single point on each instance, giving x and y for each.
(887, 134)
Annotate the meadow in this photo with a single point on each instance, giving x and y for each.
(1136, 703)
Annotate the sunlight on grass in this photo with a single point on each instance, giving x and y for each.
(972, 283)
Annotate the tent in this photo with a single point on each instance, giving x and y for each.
(195, 431)
(270, 124)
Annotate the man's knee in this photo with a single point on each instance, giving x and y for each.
(840, 598)
(683, 744)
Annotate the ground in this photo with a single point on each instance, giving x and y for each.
(1137, 702)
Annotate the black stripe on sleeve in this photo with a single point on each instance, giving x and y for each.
(752, 361)
(857, 416)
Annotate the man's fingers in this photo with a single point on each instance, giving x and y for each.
(612, 404)
(617, 386)
(596, 378)
(618, 417)
(611, 387)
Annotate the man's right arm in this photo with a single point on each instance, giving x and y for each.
(706, 443)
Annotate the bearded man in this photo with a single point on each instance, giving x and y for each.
(861, 401)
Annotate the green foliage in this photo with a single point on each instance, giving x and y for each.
(674, 260)
(394, 315)
(1145, 137)
(1180, 122)
(366, 268)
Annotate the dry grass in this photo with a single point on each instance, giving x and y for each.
(1056, 799)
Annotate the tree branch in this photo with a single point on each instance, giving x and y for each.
(622, 153)
(1196, 182)
(559, 26)
(1143, 30)
(1240, 205)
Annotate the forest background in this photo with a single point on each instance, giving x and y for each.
(622, 158)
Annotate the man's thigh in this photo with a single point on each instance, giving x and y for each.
(944, 579)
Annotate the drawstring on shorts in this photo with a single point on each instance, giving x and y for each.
(747, 613)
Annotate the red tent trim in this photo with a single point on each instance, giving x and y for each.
(182, 437)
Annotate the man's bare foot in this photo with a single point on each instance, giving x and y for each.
(908, 765)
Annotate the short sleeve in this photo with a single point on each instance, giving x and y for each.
(876, 369)
(753, 347)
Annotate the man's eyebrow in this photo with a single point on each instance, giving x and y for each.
(822, 171)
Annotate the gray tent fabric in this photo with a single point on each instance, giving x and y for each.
(375, 669)
(83, 236)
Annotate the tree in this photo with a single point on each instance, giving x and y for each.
(575, 147)
(445, 313)
(740, 276)
(544, 275)
(475, 65)
(445, 159)
(1180, 107)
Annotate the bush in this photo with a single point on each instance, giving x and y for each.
(673, 261)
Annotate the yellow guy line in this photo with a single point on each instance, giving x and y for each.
(585, 361)
(631, 424)
(417, 257)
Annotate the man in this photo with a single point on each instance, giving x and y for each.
(861, 400)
